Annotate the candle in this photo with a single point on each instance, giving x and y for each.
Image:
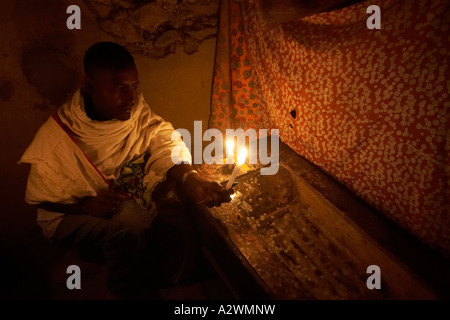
(230, 153)
(240, 161)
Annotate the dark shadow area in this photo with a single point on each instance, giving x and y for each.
(52, 73)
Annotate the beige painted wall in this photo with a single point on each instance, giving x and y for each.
(178, 87)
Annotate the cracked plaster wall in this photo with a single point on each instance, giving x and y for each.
(157, 28)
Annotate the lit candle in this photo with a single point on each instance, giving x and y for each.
(230, 153)
(240, 161)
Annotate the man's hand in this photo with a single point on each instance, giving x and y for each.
(210, 193)
(105, 204)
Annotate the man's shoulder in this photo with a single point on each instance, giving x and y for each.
(49, 131)
(44, 142)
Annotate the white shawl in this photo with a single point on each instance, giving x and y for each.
(61, 170)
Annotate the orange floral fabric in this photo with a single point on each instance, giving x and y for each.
(370, 107)
(235, 96)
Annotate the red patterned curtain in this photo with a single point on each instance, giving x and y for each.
(370, 107)
(235, 96)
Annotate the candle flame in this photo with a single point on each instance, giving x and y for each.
(230, 147)
(241, 156)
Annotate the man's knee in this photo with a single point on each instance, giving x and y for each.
(129, 222)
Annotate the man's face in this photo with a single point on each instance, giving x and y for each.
(114, 92)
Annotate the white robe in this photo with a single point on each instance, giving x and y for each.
(64, 168)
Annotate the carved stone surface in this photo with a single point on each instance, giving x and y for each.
(309, 244)
(157, 28)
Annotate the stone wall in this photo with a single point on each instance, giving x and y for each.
(157, 28)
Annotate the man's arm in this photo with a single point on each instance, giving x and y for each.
(161, 162)
(76, 208)
(177, 171)
(104, 205)
(203, 191)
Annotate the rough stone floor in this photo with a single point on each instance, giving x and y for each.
(38, 271)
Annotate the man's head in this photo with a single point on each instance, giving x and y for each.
(111, 82)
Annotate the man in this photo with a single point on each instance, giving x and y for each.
(96, 162)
